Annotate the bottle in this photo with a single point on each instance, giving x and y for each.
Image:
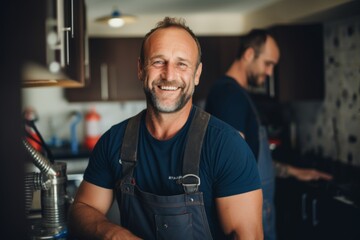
(92, 128)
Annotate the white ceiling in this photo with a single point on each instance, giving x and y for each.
(205, 17)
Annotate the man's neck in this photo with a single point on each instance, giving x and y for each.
(163, 126)
(237, 72)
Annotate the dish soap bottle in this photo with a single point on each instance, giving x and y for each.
(92, 128)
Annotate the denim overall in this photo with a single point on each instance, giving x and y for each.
(267, 177)
(151, 216)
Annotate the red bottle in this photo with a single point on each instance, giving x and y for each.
(92, 128)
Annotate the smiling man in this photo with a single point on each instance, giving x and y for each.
(176, 171)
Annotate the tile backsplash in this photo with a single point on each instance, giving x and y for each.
(332, 128)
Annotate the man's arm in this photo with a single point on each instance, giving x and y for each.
(87, 218)
(241, 215)
(303, 174)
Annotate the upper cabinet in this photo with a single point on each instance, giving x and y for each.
(57, 36)
(113, 71)
(299, 75)
(217, 54)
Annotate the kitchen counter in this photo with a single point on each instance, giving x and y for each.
(66, 153)
(319, 209)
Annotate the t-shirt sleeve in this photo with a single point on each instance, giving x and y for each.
(99, 170)
(236, 171)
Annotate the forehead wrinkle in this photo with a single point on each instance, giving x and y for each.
(181, 47)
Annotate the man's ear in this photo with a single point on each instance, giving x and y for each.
(197, 74)
(249, 54)
(140, 70)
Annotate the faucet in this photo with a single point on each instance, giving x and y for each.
(51, 180)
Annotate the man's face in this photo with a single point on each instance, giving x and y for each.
(263, 65)
(170, 71)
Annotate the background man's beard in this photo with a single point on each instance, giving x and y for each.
(157, 105)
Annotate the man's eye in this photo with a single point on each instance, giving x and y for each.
(158, 63)
(182, 65)
(269, 64)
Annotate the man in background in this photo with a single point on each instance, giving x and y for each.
(228, 100)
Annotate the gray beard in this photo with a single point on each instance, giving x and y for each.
(153, 101)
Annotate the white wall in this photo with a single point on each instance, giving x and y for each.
(55, 113)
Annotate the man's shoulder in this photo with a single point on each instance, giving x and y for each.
(227, 87)
(117, 130)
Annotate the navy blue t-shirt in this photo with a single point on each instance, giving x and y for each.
(227, 165)
(228, 101)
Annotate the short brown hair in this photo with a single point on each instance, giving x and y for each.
(255, 39)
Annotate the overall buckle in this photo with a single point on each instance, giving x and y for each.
(189, 185)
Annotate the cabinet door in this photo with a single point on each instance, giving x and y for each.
(217, 55)
(299, 75)
(113, 71)
(56, 35)
(75, 18)
(310, 211)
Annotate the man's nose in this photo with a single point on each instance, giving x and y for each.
(269, 71)
(169, 72)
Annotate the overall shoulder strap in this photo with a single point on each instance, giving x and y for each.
(128, 151)
(191, 160)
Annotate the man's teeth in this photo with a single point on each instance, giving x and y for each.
(168, 88)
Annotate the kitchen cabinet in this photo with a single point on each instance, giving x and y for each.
(299, 75)
(113, 68)
(57, 36)
(113, 71)
(218, 52)
(314, 211)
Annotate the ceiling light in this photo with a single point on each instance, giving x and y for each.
(116, 19)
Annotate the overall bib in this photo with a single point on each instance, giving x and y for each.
(267, 177)
(151, 216)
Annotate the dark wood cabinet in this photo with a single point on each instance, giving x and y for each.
(314, 211)
(299, 75)
(218, 52)
(57, 37)
(113, 68)
(113, 71)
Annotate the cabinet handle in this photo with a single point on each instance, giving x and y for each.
(104, 81)
(315, 220)
(86, 60)
(67, 46)
(303, 206)
(60, 29)
(72, 18)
